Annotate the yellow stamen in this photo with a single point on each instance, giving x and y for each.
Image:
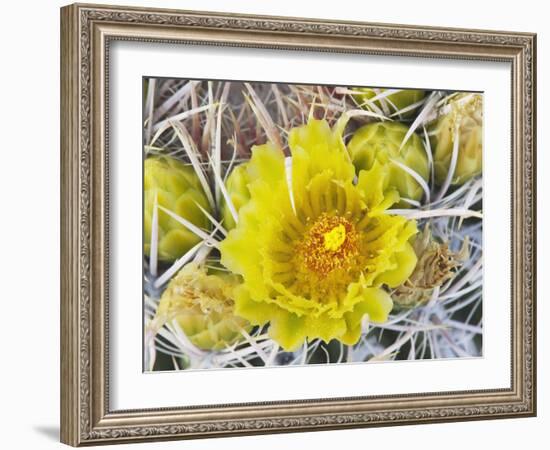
(335, 238)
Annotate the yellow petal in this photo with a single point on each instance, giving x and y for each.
(375, 304)
(374, 186)
(267, 164)
(404, 263)
(288, 330)
(257, 313)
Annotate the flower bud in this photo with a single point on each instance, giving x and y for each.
(381, 141)
(237, 188)
(176, 187)
(202, 304)
(463, 120)
(391, 103)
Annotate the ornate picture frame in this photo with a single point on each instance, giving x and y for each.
(87, 31)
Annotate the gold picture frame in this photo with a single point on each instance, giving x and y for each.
(86, 33)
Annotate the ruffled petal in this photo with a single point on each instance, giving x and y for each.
(257, 313)
(376, 304)
(374, 186)
(288, 330)
(267, 164)
(315, 149)
(404, 263)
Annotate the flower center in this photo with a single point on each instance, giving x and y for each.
(330, 243)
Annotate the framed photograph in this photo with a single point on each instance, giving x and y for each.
(277, 225)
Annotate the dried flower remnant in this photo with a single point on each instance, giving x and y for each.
(202, 304)
(381, 141)
(436, 265)
(171, 184)
(463, 120)
(316, 266)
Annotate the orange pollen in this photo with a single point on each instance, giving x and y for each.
(331, 243)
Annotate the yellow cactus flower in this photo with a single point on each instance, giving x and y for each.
(466, 117)
(237, 188)
(381, 141)
(315, 259)
(177, 188)
(202, 304)
(391, 103)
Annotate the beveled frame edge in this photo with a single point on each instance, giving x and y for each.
(85, 34)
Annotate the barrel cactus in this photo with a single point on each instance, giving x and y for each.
(201, 301)
(392, 103)
(381, 141)
(176, 187)
(463, 119)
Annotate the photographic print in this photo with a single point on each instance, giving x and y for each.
(292, 224)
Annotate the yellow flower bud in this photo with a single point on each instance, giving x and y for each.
(176, 187)
(202, 304)
(237, 188)
(392, 102)
(381, 141)
(465, 115)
